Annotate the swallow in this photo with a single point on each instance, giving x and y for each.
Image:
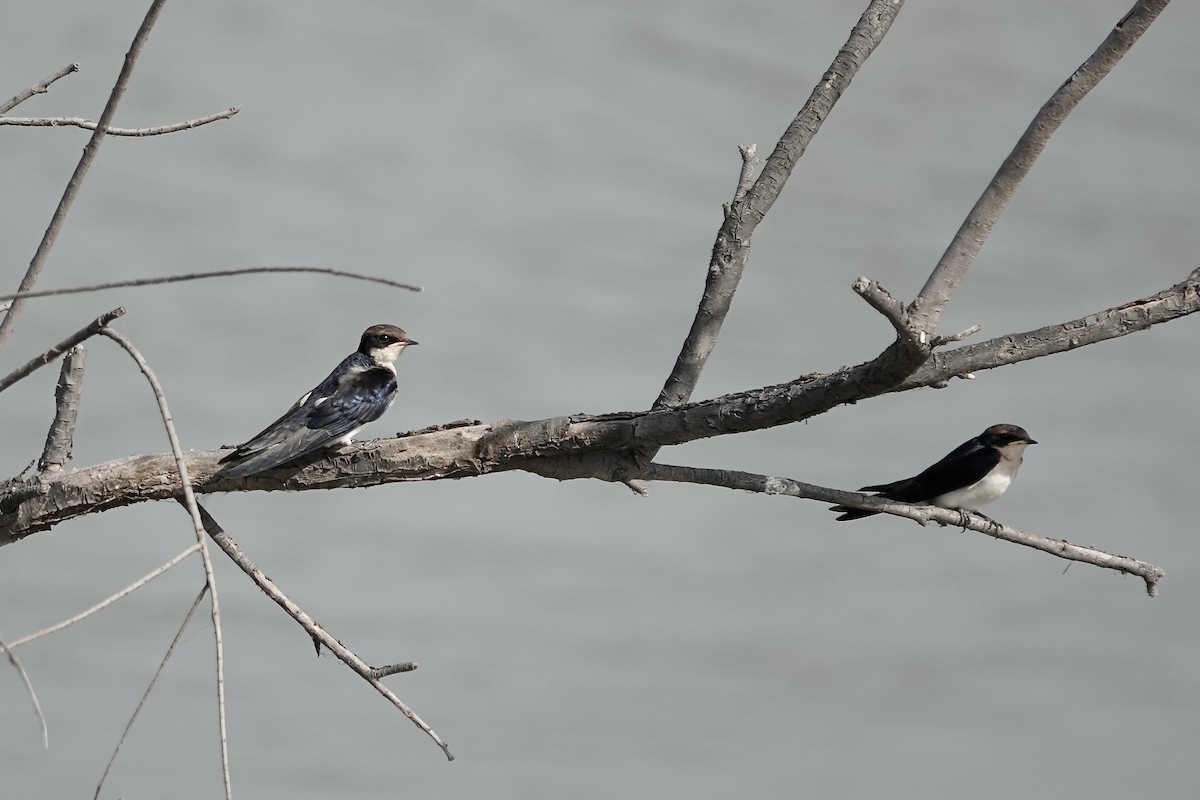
(974, 474)
(358, 391)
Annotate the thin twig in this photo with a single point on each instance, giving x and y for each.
(54, 352)
(939, 341)
(85, 162)
(927, 309)
(162, 665)
(766, 484)
(318, 633)
(87, 124)
(37, 707)
(38, 88)
(108, 601)
(60, 439)
(732, 246)
(219, 273)
(189, 501)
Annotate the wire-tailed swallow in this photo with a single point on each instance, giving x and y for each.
(974, 474)
(358, 391)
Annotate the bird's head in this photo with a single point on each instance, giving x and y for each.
(383, 344)
(1008, 439)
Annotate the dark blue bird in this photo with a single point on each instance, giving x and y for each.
(974, 474)
(358, 391)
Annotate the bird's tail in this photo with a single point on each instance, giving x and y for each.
(848, 513)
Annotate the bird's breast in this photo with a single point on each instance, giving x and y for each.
(978, 494)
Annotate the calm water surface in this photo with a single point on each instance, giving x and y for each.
(553, 175)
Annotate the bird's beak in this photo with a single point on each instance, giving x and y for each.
(407, 342)
(1027, 441)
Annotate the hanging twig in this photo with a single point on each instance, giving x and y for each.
(37, 707)
(189, 501)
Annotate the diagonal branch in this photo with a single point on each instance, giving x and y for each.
(765, 484)
(927, 309)
(162, 665)
(38, 88)
(371, 675)
(732, 246)
(106, 602)
(87, 124)
(81, 169)
(74, 339)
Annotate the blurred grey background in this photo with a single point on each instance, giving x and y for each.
(553, 174)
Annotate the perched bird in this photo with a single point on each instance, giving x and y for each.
(358, 391)
(974, 474)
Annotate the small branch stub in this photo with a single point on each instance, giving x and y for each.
(60, 440)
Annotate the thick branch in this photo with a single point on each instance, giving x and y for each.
(732, 246)
(60, 440)
(1180, 300)
(766, 484)
(927, 309)
(563, 447)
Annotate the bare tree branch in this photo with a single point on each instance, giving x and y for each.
(1138, 315)
(81, 169)
(219, 273)
(38, 88)
(750, 159)
(162, 665)
(189, 502)
(319, 636)
(108, 601)
(732, 246)
(54, 352)
(765, 484)
(37, 707)
(887, 304)
(87, 124)
(927, 309)
(60, 439)
(580, 446)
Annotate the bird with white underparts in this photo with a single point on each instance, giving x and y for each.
(358, 391)
(972, 475)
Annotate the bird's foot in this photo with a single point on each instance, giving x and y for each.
(993, 526)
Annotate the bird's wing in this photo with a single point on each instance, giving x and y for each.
(324, 415)
(966, 465)
(360, 398)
